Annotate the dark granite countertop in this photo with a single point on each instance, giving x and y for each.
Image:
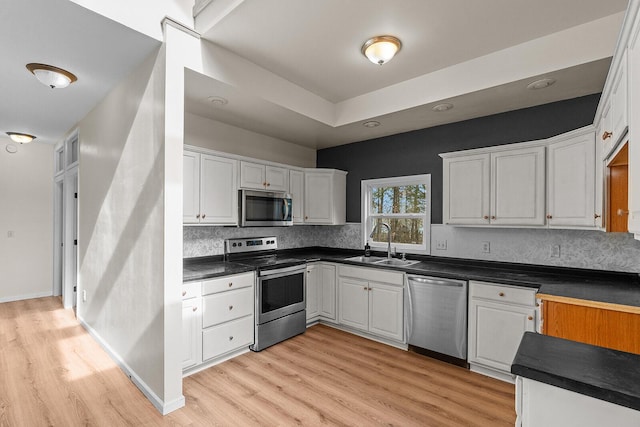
(594, 285)
(610, 375)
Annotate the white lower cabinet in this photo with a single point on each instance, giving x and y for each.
(372, 300)
(498, 317)
(217, 320)
(321, 292)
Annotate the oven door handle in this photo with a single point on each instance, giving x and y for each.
(284, 271)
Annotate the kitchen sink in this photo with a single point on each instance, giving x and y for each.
(395, 262)
(366, 259)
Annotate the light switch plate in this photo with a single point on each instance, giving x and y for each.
(486, 247)
(441, 245)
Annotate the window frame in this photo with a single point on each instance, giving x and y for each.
(366, 216)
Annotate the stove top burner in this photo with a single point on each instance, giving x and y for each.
(269, 262)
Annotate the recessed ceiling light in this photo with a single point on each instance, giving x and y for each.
(218, 100)
(54, 77)
(442, 107)
(22, 138)
(541, 84)
(371, 124)
(381, 49)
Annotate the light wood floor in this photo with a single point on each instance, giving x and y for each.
(53, 373)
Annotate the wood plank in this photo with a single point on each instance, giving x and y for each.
(54, 373)
(589, 303)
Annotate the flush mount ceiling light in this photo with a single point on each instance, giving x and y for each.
(218, 100)
(381, 49)
(442, 107)
(22, 138)
(371, 124)
(54, 77)
(541, 84)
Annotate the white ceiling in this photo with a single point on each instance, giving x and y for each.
(100, 52)
(316, 45)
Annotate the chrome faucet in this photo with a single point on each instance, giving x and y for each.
(388, 237)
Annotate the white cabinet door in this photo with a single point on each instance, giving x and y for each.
(313, 280)
(386, 310)
(318, 198)
(619, 102)
(466, 189)
(327, 294)
(190, 188)
(277, 178)
(252, 175)
(296, 189)
(634, 131)
(571, 182)
(518, 187)
(495, 331)
(354, 303)
(191, 330)
(218, 191)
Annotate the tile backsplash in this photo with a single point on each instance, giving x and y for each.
(576, 248)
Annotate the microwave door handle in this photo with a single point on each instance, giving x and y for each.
(285, 209)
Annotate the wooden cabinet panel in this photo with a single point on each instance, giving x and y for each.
(592, 325)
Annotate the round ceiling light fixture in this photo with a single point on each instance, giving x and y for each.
(22, 138)
(371, 124)
(54, 77)
(442, 107)
(541, 84)
(218, 100)
(381, 49)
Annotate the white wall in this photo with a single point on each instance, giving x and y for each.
(214, 135)
(121, 225)
(26, 191)
(143, 16)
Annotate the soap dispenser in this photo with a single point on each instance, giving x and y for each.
(367, 249)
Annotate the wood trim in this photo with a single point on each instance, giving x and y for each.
(588, 303)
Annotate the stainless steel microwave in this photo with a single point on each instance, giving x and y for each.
(264, 209)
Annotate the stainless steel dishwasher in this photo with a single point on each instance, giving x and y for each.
(436, 317)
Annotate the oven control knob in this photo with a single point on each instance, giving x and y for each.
(234, 245)
(239, 244)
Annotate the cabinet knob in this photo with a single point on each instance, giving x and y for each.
(366, 289)
(230, 307)
(549, 216)
(530, 317)
(231, 338)
(184, 293)
(203, 215)
(606, 135)
(306, 217)
(485, 217)
(268, 184)
(198, 216)
(230, 284)
(493, 217)
(622, 212)
(264, 184)
(195, 308)
(501, 294)
(596, 216)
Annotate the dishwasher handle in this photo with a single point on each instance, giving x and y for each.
(409, 313)
(432, 281)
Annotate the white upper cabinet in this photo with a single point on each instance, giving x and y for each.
(325, 196)
(263, 177)
(571, 179)
(619, 122)
(634, 130)
(517, 187)
(296, 190)
(504, 187)
(210, 193)
(466, 189)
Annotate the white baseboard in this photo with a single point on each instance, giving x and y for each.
(28, 296)
(163, 407)
(493, 373)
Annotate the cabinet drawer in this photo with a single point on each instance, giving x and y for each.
(227, 337)
(372, 274)
(227, 283)
(503, 293)
(190, 290)
(225, 306)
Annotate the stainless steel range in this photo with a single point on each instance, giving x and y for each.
(280, 289)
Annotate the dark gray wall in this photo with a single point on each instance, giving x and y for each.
(416, 152)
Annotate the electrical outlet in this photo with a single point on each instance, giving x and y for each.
(486, 247)
(84, 295)
(441, 245)
(555, 251)
(10, 234)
